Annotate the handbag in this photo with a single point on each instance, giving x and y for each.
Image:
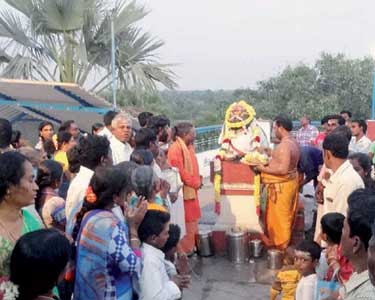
(325, 288)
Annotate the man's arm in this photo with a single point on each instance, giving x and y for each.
(279, 164)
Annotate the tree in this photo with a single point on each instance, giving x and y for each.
(70, 41)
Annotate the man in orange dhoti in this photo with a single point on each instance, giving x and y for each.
(280, 178)
(181, 154)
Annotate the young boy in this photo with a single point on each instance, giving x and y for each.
(307, 256)
(155, 282)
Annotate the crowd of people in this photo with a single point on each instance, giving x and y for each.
(108, 215)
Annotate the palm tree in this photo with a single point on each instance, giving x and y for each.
(70, 41)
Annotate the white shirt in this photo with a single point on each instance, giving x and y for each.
(120, 151)
(106, 132)
(338, 188)
(362, 145)
(154, 282)
(306, 288)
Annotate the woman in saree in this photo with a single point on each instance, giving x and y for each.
(17, 190)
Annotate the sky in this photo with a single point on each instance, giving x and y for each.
(229, 44)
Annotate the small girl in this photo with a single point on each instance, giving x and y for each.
(287, 278)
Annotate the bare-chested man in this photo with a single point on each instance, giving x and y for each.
(281, 180)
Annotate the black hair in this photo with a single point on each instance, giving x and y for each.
(337, 144)
(144, 117)
(126, 168)
(73, 156)
(362, 124)
(95, 127)
(49, 148)
(284, 122)
(16, 136)
(11, 170)
(49, 172)
(144, 137)
(174, 237)
(66, 125)
(361, 214)
(181, 130)
(143, 181)
(153, 224)
(310, 247)
(63, 137)
(92, 149)
(365, 162)
(158, 122)
(106, 183)
(346, 112)
(340, 119)
(344, 131)
(108, 117)
(42, 125)
(5, 133)
(142, 157)
(37, 261)
(324, 120)
(332, 224)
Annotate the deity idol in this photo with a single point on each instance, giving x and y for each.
(237, 187)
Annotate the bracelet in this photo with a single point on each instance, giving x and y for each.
(135, 239)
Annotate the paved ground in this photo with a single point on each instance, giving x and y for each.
(216, 278)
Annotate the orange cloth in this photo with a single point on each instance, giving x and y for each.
(189, 179)
(281, 209)
(187, 243)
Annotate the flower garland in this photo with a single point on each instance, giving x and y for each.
(240, 124)
(257, 192)
(8, 290)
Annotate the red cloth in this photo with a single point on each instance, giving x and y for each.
(235, 173)
(318, 142)
(346, 268)
(176, 159)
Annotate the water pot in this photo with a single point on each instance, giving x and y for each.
(275, 259)
(204, 243)
(237, 246)
(256, 248)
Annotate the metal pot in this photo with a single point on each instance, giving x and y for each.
(237, 246)
(275, 259)
(256, 248)
(204, 243)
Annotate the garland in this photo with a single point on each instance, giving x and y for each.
(257, 192)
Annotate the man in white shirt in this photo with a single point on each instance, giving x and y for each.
(155, 283)
(93, 151)
(360, 142)
(107, 120)
(119, 142)
(307, 133)
(343, 180)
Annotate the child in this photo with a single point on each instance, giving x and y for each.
(287, 278)
(307, 256)
(154, 281)
(332, 224)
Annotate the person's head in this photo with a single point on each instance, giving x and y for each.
(282, 126)
(71, 127)
(161, 126)
(362, 164)
(38, 262)
(46, 130)
(154, 229)
(49, 176)
(142, 157)
(356, 232)
(185, 131)
(126, 169)
(145, 138)
(121, 127)
(170, 246)
(331, 225)
(73, 157)
(5, 133)
(144, 117)
(324, 123)
(49, 148)
(344, 131)
(17, 181)
(96, 128)
(371, 256)
(16, 139)
(336, 147)
(94, 151)
(145, 182)
(65, 141)
(335, 121)
(359, 128)
(34, 156)
(346, 114)
(108, 118)
(305, 121)
(105, 190)
(307, 255)
(161, 160)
